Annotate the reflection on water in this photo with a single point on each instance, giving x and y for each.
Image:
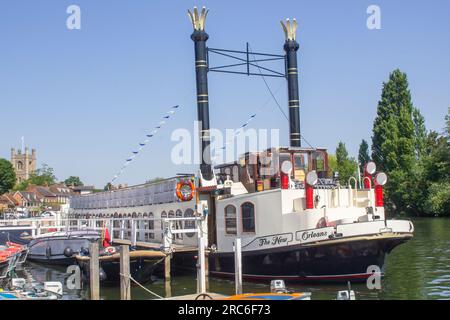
(419, 269)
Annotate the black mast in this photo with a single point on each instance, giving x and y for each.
(199, 36)
(291, 46)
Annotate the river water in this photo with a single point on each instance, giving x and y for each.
(418, 269)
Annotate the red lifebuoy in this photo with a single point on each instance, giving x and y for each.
(185, 190)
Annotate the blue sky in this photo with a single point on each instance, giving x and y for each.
(85, 98)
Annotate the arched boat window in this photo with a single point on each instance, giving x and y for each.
(230, 219)
(151, 225)
(189, 224)
(163, 215)
(248, 217)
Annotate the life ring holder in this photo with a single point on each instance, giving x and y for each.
(181, 185)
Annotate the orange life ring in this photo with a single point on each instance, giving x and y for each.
(185, 190)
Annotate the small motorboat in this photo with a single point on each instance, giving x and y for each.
(61, 247)
(142, 264)
(278, 291)
(11, 255)
(19, 289)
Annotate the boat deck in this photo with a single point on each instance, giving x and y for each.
(156, 246)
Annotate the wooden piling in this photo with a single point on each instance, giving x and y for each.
(125, 288)
(168, 289)
(167, 267)
(238, 265)
(94, 277)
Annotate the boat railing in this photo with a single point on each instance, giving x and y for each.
(164, 231)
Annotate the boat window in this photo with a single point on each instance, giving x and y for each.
(163, 215)
(151, 225)
(248, 217)
(284, 157)
(189, 224)
(318, 161)
(230, 219)
(300, 166)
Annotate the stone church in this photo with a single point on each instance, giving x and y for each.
(24, 163)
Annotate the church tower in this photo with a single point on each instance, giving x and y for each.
(24, 163)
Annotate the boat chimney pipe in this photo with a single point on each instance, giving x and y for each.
(199, 36)
(291, 46)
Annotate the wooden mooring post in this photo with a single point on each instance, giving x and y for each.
(125, 283)
(94, 275)
(238, 265)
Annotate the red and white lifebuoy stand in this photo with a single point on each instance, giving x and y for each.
(310, 182)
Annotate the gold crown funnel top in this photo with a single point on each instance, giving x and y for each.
(290, 29)
(198, 21)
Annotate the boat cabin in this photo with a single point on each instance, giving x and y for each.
(259, 171)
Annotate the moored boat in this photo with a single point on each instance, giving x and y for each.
(296, 220)
(11, 256)
(142, 264)
(60, 248)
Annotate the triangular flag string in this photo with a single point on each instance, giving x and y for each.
(145, 142)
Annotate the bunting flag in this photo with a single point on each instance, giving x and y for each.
(145, 142)
(236, 133)
(242, 127)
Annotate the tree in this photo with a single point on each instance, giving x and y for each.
(73, 181)
(436, 172)
(7, 176)
(42, 176)
(332, 164)
(363, 155)
(420, 133)
(107, 187)
(395, 146)
(345, 166)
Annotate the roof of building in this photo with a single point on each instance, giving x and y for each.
(83, 188)
(30, 196)
(60, 190)
(10, 198)
(42, 191)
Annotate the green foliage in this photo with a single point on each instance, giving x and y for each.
(332, 164)
(7, 176)
(347, 167)
(417, 163)
(420, 133)
(21, 186)
(363, 155)
(43, 176)
(107, 187)
(73, 181)
(438, 200)
(394, 143)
